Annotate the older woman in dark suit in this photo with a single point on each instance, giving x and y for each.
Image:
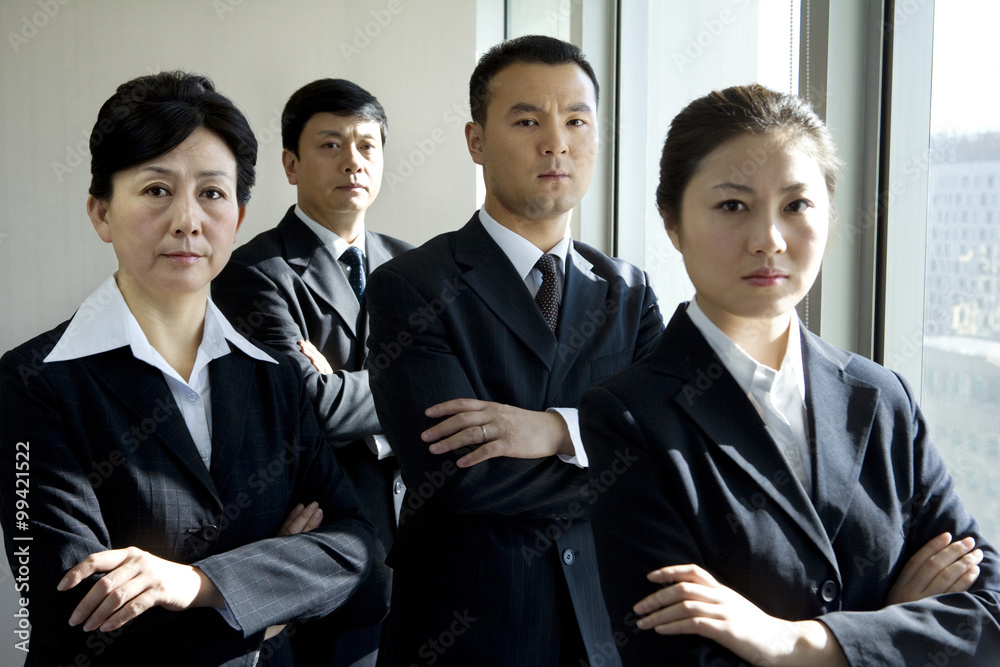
(180, 502)
(773, 486)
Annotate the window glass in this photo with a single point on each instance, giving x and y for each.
(671, 53)
(961, 351)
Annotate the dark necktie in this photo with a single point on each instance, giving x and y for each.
(547, 298)
(355, 262)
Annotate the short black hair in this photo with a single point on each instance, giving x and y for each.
(337, 96)
(527, 49)
(151, 115)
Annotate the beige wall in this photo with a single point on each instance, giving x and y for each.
(62, 58)
(59, 60)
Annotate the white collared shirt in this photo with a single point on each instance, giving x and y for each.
(337, 244)
(104, 322)
(524, 254)
(779, 396)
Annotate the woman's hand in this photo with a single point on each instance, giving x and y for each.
(301, 520)
(941, 566)
(134, 582)
(693, 602)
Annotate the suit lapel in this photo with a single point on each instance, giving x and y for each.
(713, 399)
(231, 377)
(841, 409)
(376, 254)
(143, 391)
(375, 251)
(581, 314)
(319, 269)
(488, 272)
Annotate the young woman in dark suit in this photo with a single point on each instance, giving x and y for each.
(765, 497)
(180, 502)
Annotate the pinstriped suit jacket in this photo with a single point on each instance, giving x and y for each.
(112, 465)
(485, 556)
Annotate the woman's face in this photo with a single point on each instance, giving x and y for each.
(754, 224)
(172, 220)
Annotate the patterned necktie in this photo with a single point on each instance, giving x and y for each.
(546, 298)
(355, 261)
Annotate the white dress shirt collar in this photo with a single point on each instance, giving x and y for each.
(104, 322)
(338, 244)
(740, 364)
(523, 254)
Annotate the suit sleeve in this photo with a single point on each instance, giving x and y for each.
(953, 629)
(262, 309)
(416, 361)
(305, 576)
(650, 322)
(637, 529)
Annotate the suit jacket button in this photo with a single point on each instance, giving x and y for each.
(829, 591)
(568, 556)
(397, 488)
(209, 532)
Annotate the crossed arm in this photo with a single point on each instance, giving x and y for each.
(135, 581)
(693, 602)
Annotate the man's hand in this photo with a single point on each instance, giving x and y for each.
(693, 602)
(135, 581)
(315, 357)
(941, 566)
(495, 430)
(301, 519)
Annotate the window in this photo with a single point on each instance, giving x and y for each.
(672, 53)
(956, 313)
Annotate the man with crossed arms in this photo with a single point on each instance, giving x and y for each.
(496, 329)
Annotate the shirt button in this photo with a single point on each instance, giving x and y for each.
(192, 397)
(829, 591)
(568, 556)
(397, 488)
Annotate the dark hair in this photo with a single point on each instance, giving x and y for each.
(528, 49)
(710, 121)
(152, 115)
(336, 96)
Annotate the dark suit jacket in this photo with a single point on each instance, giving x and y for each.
(690, 475)
(485, 556)
(113, 465)
(284, 286)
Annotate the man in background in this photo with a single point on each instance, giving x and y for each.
(300, 288)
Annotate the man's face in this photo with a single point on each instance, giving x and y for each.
(339, 166)
(540, 140)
